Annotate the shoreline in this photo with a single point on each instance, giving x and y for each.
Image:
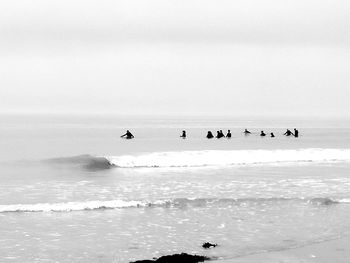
(336, 250)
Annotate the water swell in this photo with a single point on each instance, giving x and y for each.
(86, 161)
(206, 158)
(170, 203)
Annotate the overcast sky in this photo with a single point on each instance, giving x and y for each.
(229, 57)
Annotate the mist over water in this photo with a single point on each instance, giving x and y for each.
(72, 190)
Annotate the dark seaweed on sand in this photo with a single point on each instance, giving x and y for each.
(207, 245)
(176, 258)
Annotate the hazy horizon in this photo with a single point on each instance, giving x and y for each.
(219, 58)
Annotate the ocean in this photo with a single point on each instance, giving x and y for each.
(73, 191)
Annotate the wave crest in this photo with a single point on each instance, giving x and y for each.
(226, 158)
(174, 203)
(205, 158)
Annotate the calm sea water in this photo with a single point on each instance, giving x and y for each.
(72, 191)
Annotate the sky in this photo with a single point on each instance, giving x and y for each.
(176, 57)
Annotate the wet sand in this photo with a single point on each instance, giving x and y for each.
(337, 251)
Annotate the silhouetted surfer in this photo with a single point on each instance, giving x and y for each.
(246, 132)
(183, 135)
(296, 133)
(272, 135)
(220, 134)
(228, 135)
(288, 133)
(262, 133)
(127, 135)
(210, 135)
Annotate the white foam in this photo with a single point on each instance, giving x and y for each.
(178, 202)
(223, 158)
(344, 200)
(70, 206)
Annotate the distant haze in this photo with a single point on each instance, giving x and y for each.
(223, 57)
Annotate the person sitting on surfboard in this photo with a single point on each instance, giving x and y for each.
(296, 133)
(220, 134)
(288, 133)
(246, 132)
(127, 135)
(210, 135)
(183, 135)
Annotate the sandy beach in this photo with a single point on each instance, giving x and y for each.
(325, 252)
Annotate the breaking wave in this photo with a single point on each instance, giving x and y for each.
(207, 158)
(86, 161)
(223, 158)
(172, 203)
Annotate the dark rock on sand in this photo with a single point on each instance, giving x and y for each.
(207, 245)
(176, 258)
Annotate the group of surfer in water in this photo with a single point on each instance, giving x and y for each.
(220, 134)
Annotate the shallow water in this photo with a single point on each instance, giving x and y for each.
(57, 208)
